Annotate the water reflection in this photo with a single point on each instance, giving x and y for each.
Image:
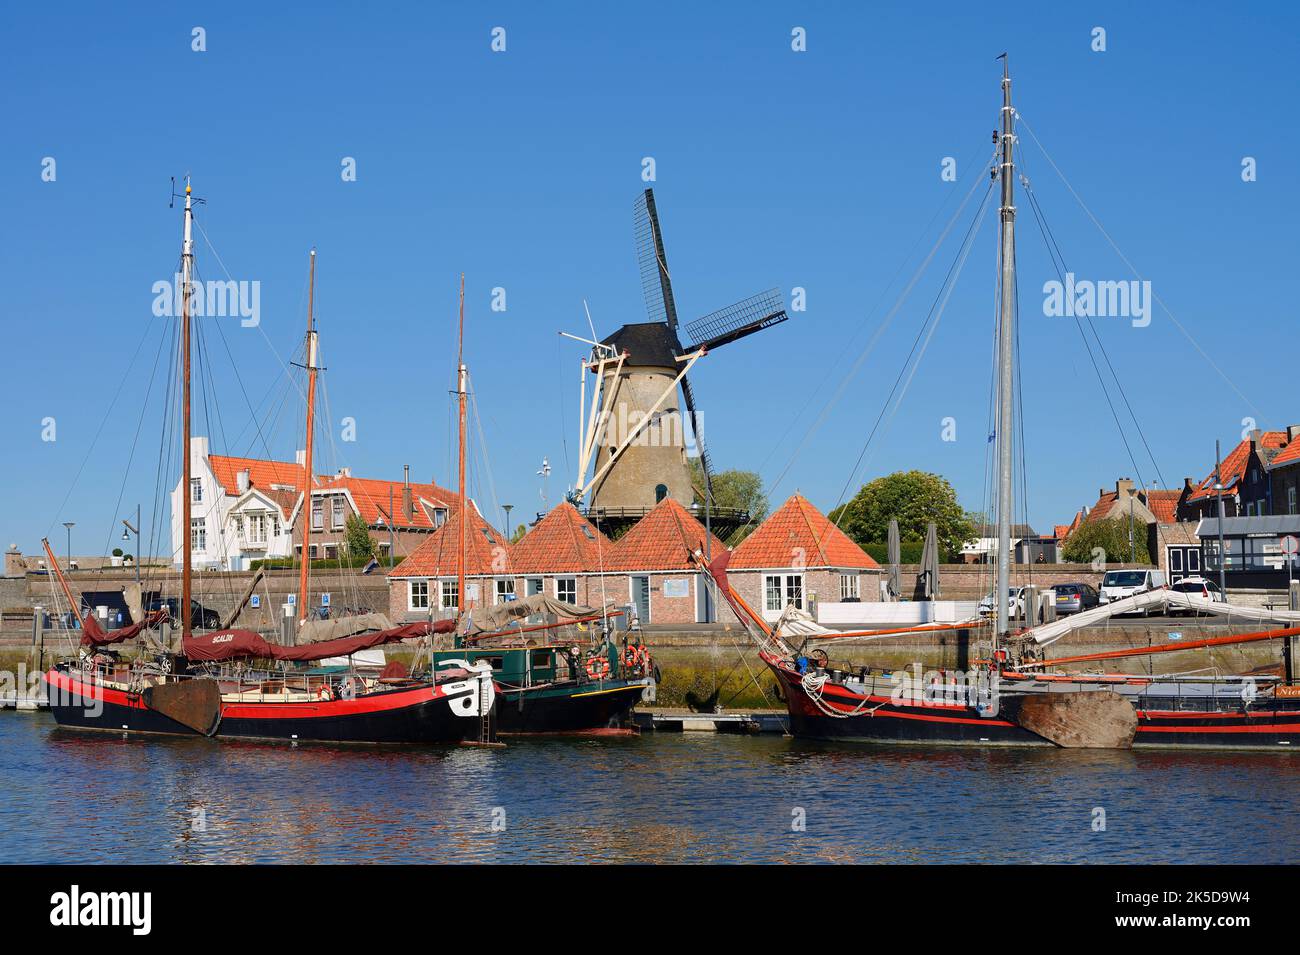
(675, 798)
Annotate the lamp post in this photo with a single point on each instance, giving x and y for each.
(508, 508)
(1218, 489)
(69, 525)
(128, 530)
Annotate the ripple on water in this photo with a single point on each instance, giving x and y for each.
(73, 797)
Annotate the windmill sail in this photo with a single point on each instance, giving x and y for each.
(656, 282)
(734, 322)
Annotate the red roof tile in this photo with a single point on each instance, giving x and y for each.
(372, 497)
(562, 542)
(261, 474)
(662, 540)
(1164, 505)
(797, 534)
(1234, 465)
(486, 551)
(1288, 454)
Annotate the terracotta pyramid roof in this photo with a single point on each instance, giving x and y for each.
(662, 540)
(798, 534)
(486, 551)
(561, 542)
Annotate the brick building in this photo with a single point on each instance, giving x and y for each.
(798, 556)
(425, 582)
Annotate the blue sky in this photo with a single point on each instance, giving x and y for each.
(818, 169)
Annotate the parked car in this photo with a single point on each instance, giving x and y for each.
(1075, 598)
(1197, 587)
(1016, 603)
(201, 617)
(1118, 584)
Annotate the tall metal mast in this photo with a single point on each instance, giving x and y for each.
(1006, 344)
(187, 493)
(461, 377)
(306, 512)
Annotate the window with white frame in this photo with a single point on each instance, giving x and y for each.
(450, 599)
(418, 595)
(566, 589)
(337, 519)
(196, 490)
(779, 590)
(849, 587)
(1290, 500)
(505, 589)
(257, 528)
(317, 515)
(198, 534)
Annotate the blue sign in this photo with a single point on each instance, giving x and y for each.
(255, 601)
(293, 600)
(324, 600)
(1175, 635)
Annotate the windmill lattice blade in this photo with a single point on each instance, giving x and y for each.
(656, 284)
(747, 316)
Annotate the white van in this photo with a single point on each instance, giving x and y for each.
(1118, 584)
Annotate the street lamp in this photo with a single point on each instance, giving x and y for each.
(508, 508)
(69, 525)
(128, 530)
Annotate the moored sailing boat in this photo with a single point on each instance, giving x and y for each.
(182, 693)
(1015, 697)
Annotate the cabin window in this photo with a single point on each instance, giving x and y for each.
(196, 490)
(661, 492)
(198, 534)
(566, 589)
(337, 517)
(450, 595)
(849, 587)
(505, 589)
(540, 660)
(419, 595)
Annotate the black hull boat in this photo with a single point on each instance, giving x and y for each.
(827, 706)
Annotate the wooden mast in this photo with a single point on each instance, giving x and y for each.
(460, 476)
(187, 493)
(63, 582)
(306, 512)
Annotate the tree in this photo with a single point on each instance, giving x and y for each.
(356, 539)
(518, 533)
(742, 490)
(915, 499)
(1111, 537)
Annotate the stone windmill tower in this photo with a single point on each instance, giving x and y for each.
(634, 439)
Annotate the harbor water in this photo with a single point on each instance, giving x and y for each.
(76, 797)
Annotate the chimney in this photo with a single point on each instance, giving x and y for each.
(242, 480)
(300, 457)
(1189, 484)
(1292, 430)
(1254, 439)
(344, 473)
(1124, 486)
(408, 506)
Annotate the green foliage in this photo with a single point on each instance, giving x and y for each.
(518, 533)
(1112, 537)
(909, 552)
(356, 539)
(913, 498)
(742, 490)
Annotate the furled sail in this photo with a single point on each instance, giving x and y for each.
(234, 644)
(318, 631)
(93, 635)
(494, 619)
(1160, 600)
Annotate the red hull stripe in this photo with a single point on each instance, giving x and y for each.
(1267, 728)
(308, 709)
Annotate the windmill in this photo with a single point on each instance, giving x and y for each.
(633, 439)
